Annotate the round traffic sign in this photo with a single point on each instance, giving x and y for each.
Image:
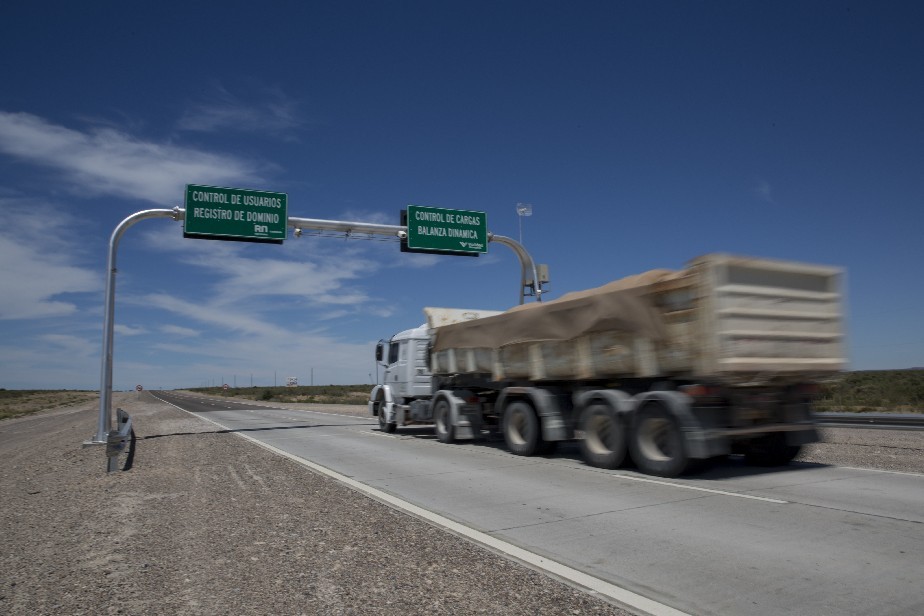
(225, 386)
(138, 387)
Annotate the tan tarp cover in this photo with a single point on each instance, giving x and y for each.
(618, 306)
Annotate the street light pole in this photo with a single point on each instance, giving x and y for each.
(523, 210)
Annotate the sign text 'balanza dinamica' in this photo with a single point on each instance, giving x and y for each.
(439, 229)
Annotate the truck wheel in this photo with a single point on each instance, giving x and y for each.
(604, 442)
(657, 444)
(385, 427)
(521, 429)
(442, 418)
(770, 450)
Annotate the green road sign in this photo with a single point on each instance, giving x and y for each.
(433, 228)
(235, 214)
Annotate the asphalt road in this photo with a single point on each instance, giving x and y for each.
(808, 539)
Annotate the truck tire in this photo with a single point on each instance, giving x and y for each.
(657, 444)
(604, 442)
(770, 450)
(521, 429)
(442, 422)
(385, 427)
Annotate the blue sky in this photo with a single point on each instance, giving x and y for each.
(642, 133)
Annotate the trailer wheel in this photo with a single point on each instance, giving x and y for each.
(385, 427)
(770, 450)
(604, 442)
(521, 429)
(442, 419)
(657, 444)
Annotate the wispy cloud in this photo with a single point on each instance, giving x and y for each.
(233, 321)
(238, 276)
(764, 191)
(252, 343)
(127, 330)
(40, 263)
(103, 160)
(274, 114)
(73, 347)
(177, 330)
(51, 360)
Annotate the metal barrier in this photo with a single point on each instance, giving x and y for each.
(117, 440)
(884, 421)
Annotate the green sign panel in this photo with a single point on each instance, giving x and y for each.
(235, 214)
(433, 228)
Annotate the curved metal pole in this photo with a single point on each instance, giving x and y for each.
(529, 276)
(105, 388)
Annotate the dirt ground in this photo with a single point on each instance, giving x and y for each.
(204, 523)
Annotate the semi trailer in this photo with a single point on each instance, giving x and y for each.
(668, 368)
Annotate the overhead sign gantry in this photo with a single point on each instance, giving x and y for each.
(240, 214)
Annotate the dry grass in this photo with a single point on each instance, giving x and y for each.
(16, 402)
(317, 394)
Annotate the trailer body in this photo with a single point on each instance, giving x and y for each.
(670, 366)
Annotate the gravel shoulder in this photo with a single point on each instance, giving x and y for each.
(887, 450)
(204, 523)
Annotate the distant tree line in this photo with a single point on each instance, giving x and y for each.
(875, 391)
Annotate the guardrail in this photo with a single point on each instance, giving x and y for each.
(878, 421)
(118, 440)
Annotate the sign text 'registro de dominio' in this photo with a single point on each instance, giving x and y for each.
(213, 212)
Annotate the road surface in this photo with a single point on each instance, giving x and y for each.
(808, 539)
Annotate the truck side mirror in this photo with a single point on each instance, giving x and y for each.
(378, 351)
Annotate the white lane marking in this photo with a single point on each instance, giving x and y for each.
(612, 591)
(618, 594)
(699, 489)
(877, 470)
(374, 433)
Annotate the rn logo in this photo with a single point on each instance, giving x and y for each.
(260, 229)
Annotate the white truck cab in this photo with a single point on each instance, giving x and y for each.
(406, 362)
(405, 394)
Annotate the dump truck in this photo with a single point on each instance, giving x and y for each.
(668, 368)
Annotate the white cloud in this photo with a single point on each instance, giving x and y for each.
(318, 279)
(243, 344)
(176, 330)
(106, 161)
(52, 361)
(369, 216)
(126, 330)
(764, 191)
(274, 114)
(39, 263)
(234, 321)
(72, 347)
